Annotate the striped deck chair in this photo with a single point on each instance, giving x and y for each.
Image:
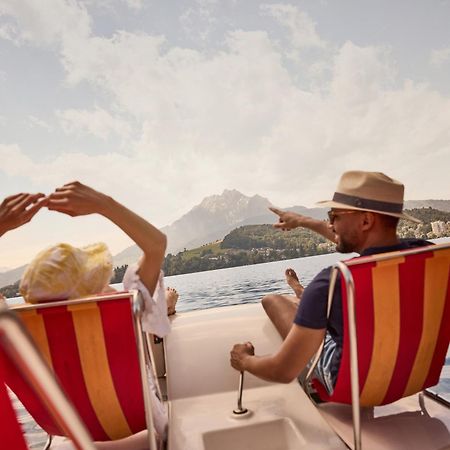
(95, 346)
(20, 360)
(10, 432)
(396, 310)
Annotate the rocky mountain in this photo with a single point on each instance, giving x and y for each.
(208, 221)
(11, 276)
(212, 219)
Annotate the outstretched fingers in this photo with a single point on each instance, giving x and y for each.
(76, 199)
(18, 209)
(10, 200)
(277, 211)
(36, 205)
(23, 201)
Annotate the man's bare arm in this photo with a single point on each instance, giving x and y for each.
(289, 220)
(283, 366)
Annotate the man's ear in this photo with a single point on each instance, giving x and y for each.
(367, 220)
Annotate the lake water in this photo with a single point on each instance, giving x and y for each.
(245, 284)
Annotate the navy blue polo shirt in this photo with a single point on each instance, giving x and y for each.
(312, 310)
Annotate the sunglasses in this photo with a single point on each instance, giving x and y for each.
(333, 214)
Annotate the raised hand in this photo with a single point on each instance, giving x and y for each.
(19, 209)
(77, 199)
(286, 220)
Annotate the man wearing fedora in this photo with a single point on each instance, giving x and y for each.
(363, 218)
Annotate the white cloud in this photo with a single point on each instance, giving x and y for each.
(361, 74)
(36, 122)
(301, 27)
(98, 122)
(199, 20)
(235, 117)
(440, 57)
(9, 32)
(48, 23)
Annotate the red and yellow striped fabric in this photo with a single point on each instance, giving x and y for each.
(402, 313)
(91, 347)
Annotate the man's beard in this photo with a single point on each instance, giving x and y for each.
(345, 246)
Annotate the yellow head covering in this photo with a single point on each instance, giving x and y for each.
(65, 272)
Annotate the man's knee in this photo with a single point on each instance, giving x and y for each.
(268, 303)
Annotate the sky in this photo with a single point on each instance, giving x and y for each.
(160, 103)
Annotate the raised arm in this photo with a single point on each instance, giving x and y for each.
(77, 199)
(19, 209)
(288, 220)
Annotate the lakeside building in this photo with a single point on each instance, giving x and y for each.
(439, 228)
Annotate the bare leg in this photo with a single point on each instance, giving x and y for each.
(138, 441)
(171, 299)
(293, 281)
(281, 310)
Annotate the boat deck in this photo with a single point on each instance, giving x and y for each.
(203, 398)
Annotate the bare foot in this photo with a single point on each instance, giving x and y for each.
(171, 299)
(293, 281)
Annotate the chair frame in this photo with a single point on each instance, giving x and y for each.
(145, 353)
(20, 348)
(342, 267)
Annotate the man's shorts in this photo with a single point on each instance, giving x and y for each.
(322, 371)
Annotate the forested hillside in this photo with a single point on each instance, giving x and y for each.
(250, 244)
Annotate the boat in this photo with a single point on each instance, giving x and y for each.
(213, 407)
(201, 392)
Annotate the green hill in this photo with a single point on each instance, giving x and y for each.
(250, 244)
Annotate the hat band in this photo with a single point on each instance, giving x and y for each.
(366, 203)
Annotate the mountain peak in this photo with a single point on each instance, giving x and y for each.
(232, 205)
(228, 195)
(232, 192)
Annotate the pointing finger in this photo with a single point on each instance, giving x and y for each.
(276, 210)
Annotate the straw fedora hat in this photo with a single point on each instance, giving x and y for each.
(369, 191)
